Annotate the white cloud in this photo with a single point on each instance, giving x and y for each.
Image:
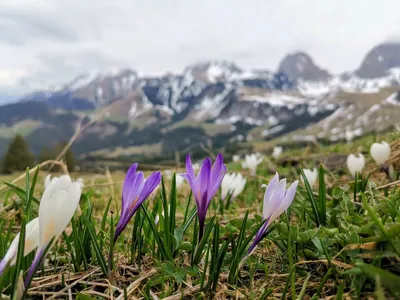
(46, 42)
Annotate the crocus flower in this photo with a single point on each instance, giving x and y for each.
(355, 163)
(196, 166)
(380, 152)
(57, 206)
(31, 243)
(179, 180)
(205, 185)
(276, 153)
(277, 199)
(232, 184)
(251, 162)
(311, 176)
(168, 174)
(236, 158)
(135, 190)
(48, 179)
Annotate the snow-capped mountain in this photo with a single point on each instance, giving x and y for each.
(379, 69)
(300, 66)
(218, 96)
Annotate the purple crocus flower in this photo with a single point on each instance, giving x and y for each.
(277, 199)
(205, 185)
(135, 190)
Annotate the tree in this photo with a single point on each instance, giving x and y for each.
(51, 153)
(68, 158)
(18, 156)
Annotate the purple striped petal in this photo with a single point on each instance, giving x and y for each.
(35, 264)
(203, 181)
(268, 204)
(289, 196)
(259, 236)
(193, 185)
(189, 166)
(3, 265)
(215, 185)
(149, 185)
(130, 175)
(217, 169)
(135, 191)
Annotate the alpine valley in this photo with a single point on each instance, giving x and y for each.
(211, 104)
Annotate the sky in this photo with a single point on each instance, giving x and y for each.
(45, 43)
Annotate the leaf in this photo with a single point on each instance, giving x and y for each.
(164, 251)
(387, 278)
(82, 296)
(311, 198)
(96, 245)
(203, 242)
(322, 196)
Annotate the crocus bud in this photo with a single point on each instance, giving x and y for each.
(355, 163)
(380, 152)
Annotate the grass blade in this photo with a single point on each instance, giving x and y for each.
(311, 198)
(322, 195)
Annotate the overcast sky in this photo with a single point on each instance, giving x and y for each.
(45, 42)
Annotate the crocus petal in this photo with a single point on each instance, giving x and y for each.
(311, 176)
(217, 169)
(269, 193)
(59, 203)
(355, 163)
(380, 152)
(31, 243)
(214, 186)
(35, 263)
(203, 180)
(259, 236)
(277, 199)
(47, 181)
(149, 185)
(189, 166)
(135, 189)
(129, 177)
(288, 199)
(193, 185)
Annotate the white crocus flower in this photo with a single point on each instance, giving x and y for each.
(380, 152)
(236, 158)
(179, 180)
(57, 207)
(355, 163)
(31, 243)
(48, 180)
(251, 162)
(311, 176)
(168, 174)
(233, 184)
(196, 166)
(277, 152)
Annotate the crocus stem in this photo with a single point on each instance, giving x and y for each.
(38, 260)
(110, 261)
(201, 229)
(385, 169)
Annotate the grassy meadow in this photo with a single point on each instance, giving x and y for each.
(340, 239)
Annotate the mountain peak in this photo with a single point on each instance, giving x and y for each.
(213, 71)
(300, 65)
(379, 60)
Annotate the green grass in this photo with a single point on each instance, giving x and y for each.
(340, 239)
